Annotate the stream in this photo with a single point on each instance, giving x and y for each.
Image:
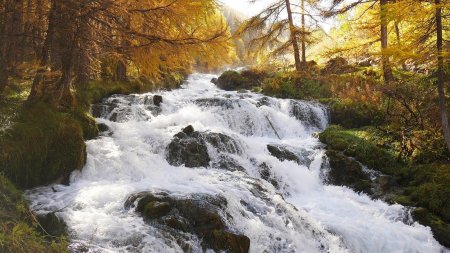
(261, 160)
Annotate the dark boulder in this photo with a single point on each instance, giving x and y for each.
(222, 142)
(266, 174)
(101, 110)
(188, 130)
(189, 147)
(233, 80)
(345, 171)
(102, 127)
(157, 100)
(188, 150)
(51, 224)
(282, 153)
(214, 80)
(196, 214)
(226, 162)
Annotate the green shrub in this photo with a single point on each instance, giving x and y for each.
(354, 114)
(294, 85)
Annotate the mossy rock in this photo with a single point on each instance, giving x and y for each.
(353, 144)
(197, 214)
(345, 171)
(44, 146)
(233, 80)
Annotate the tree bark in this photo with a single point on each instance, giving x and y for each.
(3, 48)
(303, 34)
(440, 75)
(298, 64)
(83, 68)
(399, 41)
(121, 71)
(387, 70)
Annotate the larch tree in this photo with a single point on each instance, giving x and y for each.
(278, 33)
(153, 36)
(341, 6)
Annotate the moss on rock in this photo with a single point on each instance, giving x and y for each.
(353, 143)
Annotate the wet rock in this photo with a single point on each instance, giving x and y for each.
(101, 110)
(214, 80)
(222, 142)
(195, 214)
(218, 102)
(305, 113)
(345, 171)
(189, 147)
(226, 162)
(188, 130)
(264, 101)
(157, 100)
(102, 127)
(188, 150)
(51, 224)
(223, 240)
(266, 174)
(233, 80)
(282, 153)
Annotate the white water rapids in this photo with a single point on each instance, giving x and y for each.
(302, 215)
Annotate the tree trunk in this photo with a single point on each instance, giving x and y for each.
(303, 34)
(387, 70)
(399, 42)
(298, 64)
(3, 49)
(440, 75)
(83, 68)
(121, 71)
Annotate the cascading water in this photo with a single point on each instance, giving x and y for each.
(281, 204)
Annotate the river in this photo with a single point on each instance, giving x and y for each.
(288, 208)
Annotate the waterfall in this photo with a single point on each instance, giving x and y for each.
(261, 159)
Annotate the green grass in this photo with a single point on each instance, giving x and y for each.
(18, 228)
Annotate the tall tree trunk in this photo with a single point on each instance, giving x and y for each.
(3, 48)
(121, 71)
(298, 64)
(15, 47)
(303, 34)
(387, 70)
(440, 74)
(83, 69)
(399, 41)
